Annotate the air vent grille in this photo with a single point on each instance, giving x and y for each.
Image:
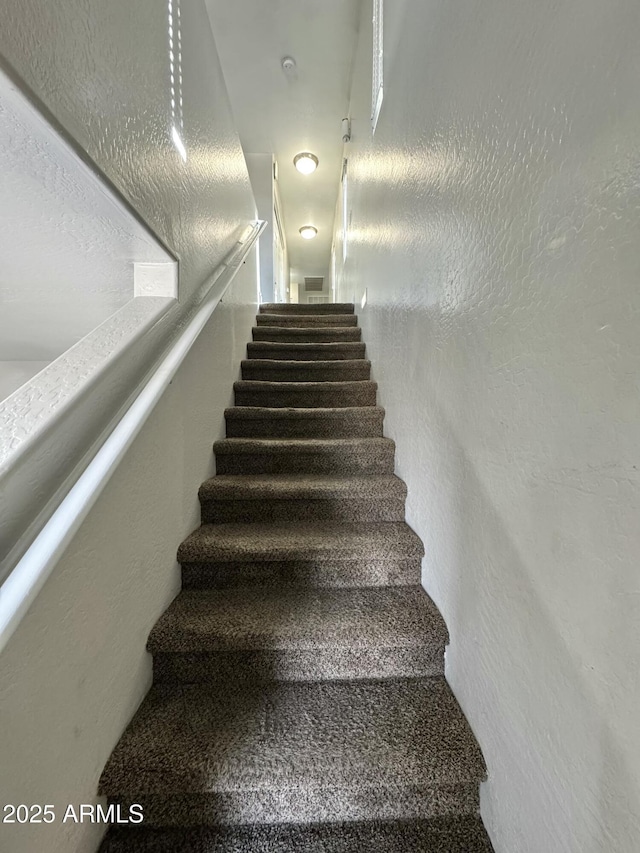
(313, 283)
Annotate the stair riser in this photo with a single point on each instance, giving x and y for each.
(282, 321)
(335, 574)
(310, 806)
(301, 308)
(335, 371)
(306, 463)
(303, 429)
(269, 510)
(459, 834)
(317, 665)
(293, 336)
(306, 352)
(369, 425)
(354, 395)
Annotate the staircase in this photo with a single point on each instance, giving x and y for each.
(299, 700)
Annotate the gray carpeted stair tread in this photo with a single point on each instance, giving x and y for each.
(462, 834)
(306, 321)
(320, 422)
(345, 350)
(282, 446)
(300, 308)
(320, 541)
(312, 487)
(294, 634)
(290, 749)
(305, 394)
(294, 335)
(250, 618)
(273, 498)
(298, 497)
(278, 370)
(307, 573)
(304, 455)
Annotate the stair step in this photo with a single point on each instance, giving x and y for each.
(305, 394)
(300, 308)
(297, 752)
(320, 541)
(346, 350)
(299, 702)
(276, 370)
(298, 635)
(274, 334)
(461, 834)
(308, 554)
(306, 321)
(304, 456)
(248, 498)
(264, 422)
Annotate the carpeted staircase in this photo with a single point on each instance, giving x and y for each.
(299, 701)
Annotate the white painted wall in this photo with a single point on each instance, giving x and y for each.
(68, 245)
(303, 296)
(102, 69)
(495, 229)
(274, 281)
(260, 168)
(282, 271)
(13, 374)
(76, 669)
(103, 74)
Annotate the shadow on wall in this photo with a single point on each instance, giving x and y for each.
(534, 697)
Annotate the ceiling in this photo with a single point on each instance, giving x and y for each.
(285, 113)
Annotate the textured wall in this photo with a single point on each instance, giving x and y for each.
(76, 669)
(103, 70)
(68, 245)
(260, 167)
(495, 226)
(13, 374)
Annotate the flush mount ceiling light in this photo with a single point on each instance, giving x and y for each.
(305, 162)
(308, 232)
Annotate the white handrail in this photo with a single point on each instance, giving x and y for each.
(28, 577)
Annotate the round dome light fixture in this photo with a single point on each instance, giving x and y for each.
(308, 232)
(305, 162)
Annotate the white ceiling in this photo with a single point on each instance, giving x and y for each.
(284, 113)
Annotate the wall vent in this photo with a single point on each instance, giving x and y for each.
(318, 300)
(313, 283)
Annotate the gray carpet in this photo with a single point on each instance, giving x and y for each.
(274, 498)
(464, 834)
(279, 370)
(331, 393)
(299, 702)
(306, 456)
(306, 321)
(290, 308)
(324, 334)
(267, 422)
(306, 352)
